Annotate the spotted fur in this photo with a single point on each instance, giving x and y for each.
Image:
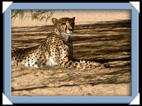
(56, 50)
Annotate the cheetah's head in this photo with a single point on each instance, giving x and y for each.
(64, 26)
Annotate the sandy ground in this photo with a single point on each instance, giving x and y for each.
(65, 82)
(82, 90)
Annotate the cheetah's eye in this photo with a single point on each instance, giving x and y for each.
(72, 24)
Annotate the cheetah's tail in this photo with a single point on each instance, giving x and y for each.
(83, 65)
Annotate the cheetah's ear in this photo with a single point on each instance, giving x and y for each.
(54, 21)
(73, 18)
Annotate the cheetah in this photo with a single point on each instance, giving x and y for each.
(56, 50)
